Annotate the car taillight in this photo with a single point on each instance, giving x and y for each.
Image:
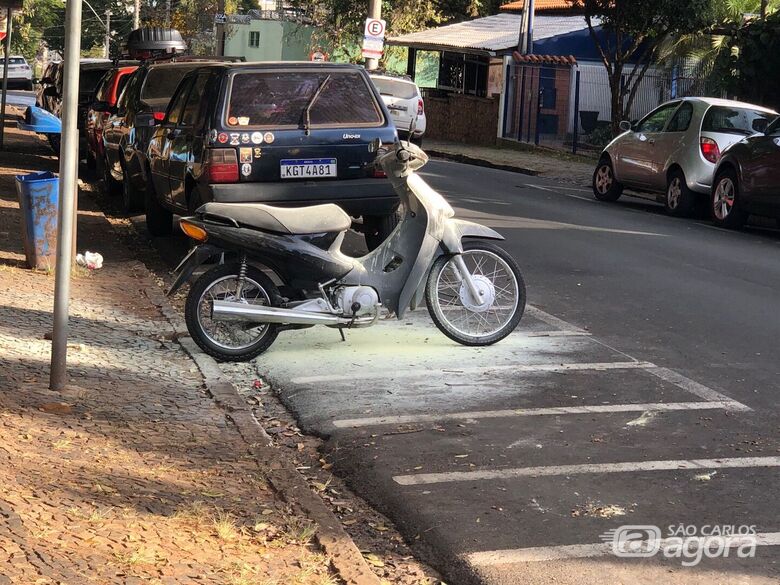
(221, 165)
(420, 109)
(710, 150)
(159, 116)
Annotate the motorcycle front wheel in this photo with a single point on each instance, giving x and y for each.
(502, 295)
(230, 341)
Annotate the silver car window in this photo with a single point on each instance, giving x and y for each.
(656, 120)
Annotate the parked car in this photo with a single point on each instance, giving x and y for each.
(103, 105)
(91, 71)
(43, 97)
(404, 101)
(19, 72)
(674, 149)
(747, 179)
(286, 134)
(127, 131)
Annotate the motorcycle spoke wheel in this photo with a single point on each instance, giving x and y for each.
(232, 335)
(499, 307)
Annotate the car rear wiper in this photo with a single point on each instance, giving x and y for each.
(312, 101)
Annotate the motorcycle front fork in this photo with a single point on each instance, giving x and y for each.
(466, 276)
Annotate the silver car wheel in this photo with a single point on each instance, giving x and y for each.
(723, 201)
(604, 179)
(673, 193)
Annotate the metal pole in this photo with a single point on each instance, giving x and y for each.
(525, 41)
(576, 133)
(137, 14)
(375, 12)
(69, 153)
(107, 41)
(167, 13)
(9, 14)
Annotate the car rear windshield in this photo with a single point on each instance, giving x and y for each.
(404, 90)
(161, 82)
(732, 120)
(89, 78)
(276, 99)
(16, 61)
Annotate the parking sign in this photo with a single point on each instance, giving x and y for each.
(375, 28)
(373, 38)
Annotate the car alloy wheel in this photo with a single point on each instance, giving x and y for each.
(604, 179)
(673, 193)
(723, 200)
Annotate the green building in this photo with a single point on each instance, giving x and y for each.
(264, 35)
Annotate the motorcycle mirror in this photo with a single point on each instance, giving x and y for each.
(375, 145)
(412, 130)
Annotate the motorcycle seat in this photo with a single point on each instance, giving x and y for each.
(314, 219)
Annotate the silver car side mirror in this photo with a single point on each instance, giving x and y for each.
(625, 125)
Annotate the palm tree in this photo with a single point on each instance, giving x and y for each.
(697, 52)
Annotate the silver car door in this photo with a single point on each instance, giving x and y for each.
(637, 153)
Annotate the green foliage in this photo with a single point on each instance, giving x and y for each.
(37, 19)
(636, 29)
(748, 63)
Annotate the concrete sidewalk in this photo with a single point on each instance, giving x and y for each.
(134, 474)
(561, 166)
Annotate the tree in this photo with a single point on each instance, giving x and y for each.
(749, 60)
(633, 31)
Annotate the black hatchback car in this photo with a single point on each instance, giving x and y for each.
(287, 134)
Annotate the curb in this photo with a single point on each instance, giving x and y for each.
(285, 480)
(481, 162)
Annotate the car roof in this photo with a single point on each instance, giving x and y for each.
(391, 78)
(258, 65)
(17, 57)
(729, 103)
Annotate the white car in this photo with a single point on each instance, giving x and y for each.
(402, 97)
(19, 71)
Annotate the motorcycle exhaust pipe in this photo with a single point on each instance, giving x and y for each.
(232, 311)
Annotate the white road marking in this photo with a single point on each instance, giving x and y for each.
(623, 467)
(557, 192)
(549, 411)
(554, 321)
(600, 549)
(692, 386)
(519, 368)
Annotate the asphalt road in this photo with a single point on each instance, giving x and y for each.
(640, 389)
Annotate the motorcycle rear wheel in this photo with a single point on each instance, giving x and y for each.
(454, 311)
(230, 341)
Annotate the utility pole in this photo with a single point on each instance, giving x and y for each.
(525, 43)
(137, 14)
(168, 13)
(375, 12)
(66, 212)
(107, 41)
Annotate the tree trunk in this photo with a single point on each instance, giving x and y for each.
(616, 103)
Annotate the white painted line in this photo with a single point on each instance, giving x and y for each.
(554, 321)
(555, 333)
(624, 467)
(600, 549)
(519, 368)
(555, 410)
(693, 387)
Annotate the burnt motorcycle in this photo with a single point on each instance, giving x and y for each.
(284, 268)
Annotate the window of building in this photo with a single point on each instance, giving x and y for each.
(254, 38)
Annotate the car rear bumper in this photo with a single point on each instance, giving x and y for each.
(356, 196)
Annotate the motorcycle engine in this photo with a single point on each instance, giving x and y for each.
(357, 301)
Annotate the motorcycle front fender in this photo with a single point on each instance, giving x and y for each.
(190, 263)
(457, 229)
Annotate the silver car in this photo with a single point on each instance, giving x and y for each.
(674, 149)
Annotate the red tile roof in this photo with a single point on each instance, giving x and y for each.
(544, 59)
(540, 5)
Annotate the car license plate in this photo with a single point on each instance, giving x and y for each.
(309, 168)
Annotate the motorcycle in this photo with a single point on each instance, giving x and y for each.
(283, 268)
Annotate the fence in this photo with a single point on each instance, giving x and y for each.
(569, 107)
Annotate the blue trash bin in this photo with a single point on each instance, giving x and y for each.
(38, 200)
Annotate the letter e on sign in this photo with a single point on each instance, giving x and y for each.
(375, 28)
